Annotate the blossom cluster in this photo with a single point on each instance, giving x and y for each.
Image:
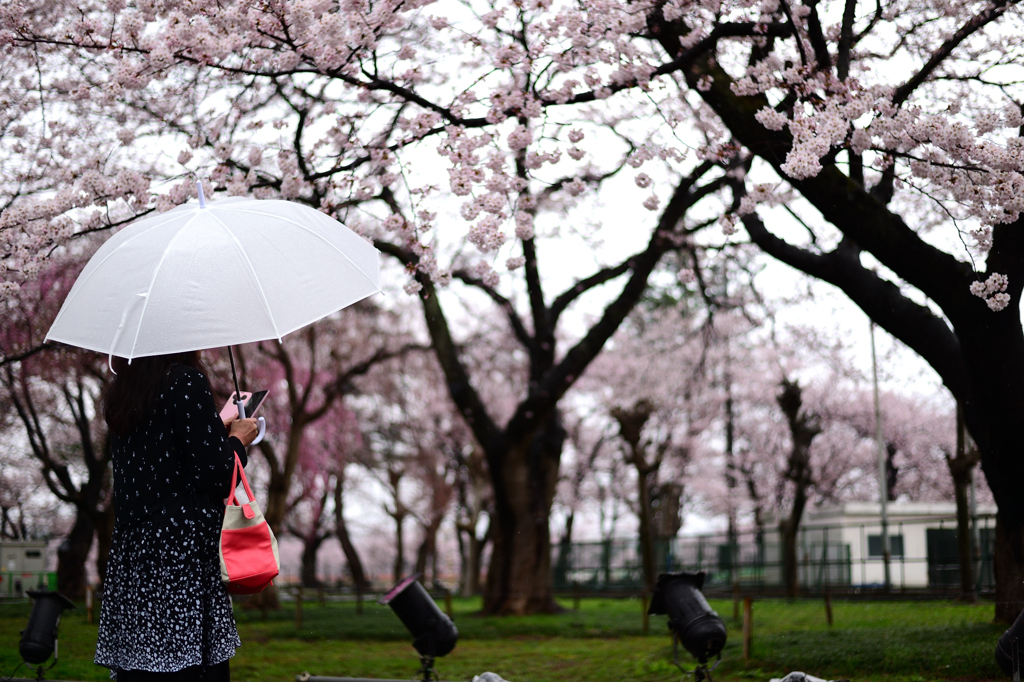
(334, 102)
(225, 79)
(967, 163)
(993, 291)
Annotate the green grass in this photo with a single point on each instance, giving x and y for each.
(602, 642)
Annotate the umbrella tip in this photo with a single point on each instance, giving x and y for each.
(202, 197)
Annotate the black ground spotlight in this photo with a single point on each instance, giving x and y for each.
(433, 632)
(39, 638)
(690, 618)
(1010, 647)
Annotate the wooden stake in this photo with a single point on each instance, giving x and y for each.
(88, 604)
(448, 604)
(828, 608)
(646, 618)
(736, 601)
(748, 626)
(298, 609)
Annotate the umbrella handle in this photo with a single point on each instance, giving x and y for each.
(262, 422)
(263, 430)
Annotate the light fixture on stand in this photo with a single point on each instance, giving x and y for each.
(690, 618)
(39, 638)
(433, 632)
(1008, 649)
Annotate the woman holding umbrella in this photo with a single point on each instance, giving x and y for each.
(166, 615)
(233, 271)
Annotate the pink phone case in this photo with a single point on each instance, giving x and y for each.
(230, 410)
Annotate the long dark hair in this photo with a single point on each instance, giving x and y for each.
(131, 397)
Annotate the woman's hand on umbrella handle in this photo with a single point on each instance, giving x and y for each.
(263, 430)
(244, 430)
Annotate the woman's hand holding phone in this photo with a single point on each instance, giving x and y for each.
(249, 430)
(251, 401)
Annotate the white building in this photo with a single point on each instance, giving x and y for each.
(841, 545)
(23, 567)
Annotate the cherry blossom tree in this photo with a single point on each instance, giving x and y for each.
(390, 447)
(68, 442)
(896, 125)
(586, 440)
(435, 469)
(53, 396)
(652, 386)
(414, 443)
(804, 426)
(306, 522)
(308, 374)
(311, 431)
(27, 510)
(328, 447)
(442, 450)
(332, 106)
(889, 129)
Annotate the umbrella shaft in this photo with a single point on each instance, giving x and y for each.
(234, 376)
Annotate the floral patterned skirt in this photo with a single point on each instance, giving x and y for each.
(164, 605)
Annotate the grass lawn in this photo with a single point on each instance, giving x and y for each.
(602, 642)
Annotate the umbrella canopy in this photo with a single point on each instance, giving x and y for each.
(205, 275)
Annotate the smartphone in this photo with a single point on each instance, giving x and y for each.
(253, 400)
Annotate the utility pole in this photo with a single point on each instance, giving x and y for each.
(883, 486)
(975, 539)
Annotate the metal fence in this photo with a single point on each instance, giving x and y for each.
(14, 584)
(833, 558)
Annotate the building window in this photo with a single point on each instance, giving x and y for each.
(875, 546)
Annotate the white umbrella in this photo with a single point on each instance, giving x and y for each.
(205, 275)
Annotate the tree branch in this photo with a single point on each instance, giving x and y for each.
(991, 13)
(912, 323)
(460, 387)
(516, 322)
(844, 204)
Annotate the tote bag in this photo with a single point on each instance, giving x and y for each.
(248, 549)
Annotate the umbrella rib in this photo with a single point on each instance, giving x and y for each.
(315, 234)
(252, 270)
(152, 282)
(77, 289)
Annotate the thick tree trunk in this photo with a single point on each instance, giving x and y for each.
(427, 552)
(631, 425)
(963, 540)
(519, 579)
(72, 555)
(790, 530)
(961, 468)
(803, 427)
(473, 550)
(310, 550)
(398, 570)
(646, 533)
(564, 549)
(355, 563)
(1006, 564)
(892, 472)
(994, 351)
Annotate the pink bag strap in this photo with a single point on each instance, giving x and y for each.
(239, 472)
